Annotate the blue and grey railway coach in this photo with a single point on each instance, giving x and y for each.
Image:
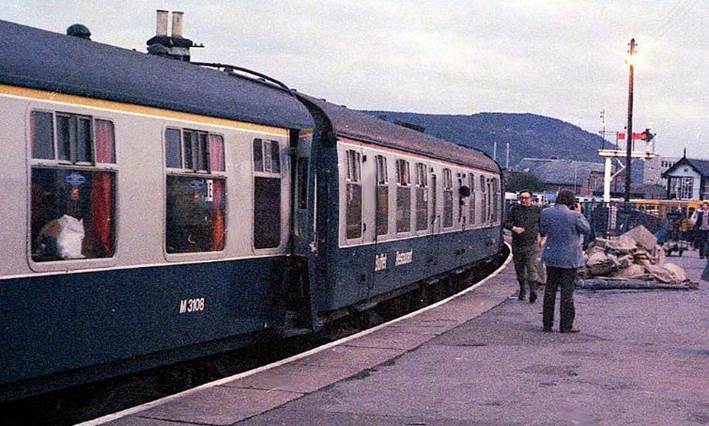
(156, 210)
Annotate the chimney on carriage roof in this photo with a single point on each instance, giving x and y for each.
(174, 46)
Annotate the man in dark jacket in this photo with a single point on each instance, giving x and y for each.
(523, 221)
(564, 226)
(700, 220)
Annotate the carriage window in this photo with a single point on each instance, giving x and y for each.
(471, 182)
(447, 198)
(382, 208)
(353, 195)
(195, 203)
(173, 150)
(266, 156)
(42, 135)
(74, 139)
(421, 197)
(72, 209)
(495, 194)
(199, 151)
(267, 194)
(403, 196)
(195, 214)
(483, 201)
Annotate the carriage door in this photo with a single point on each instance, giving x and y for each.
(434, 221)
(300, 198)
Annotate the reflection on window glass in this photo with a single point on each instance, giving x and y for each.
(72, 214)
(353, 195)
(471, 179)
(83, 140)
(195, 214)
(382, 214)
(421, 197)
(258, 155)
(42, 135)
(64, 137)
(403, 197)
(267, 212)
(447, 198)
(173, 150)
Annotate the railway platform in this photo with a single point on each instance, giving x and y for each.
(642, 357)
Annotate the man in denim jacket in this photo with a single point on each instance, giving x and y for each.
(563, 225)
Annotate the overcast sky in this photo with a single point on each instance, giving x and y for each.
(562, 59)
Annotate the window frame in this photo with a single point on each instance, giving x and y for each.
(447, 189)
(281, 176)
(403, 181)
(55, 163)
(353, 179)
(381, 182)
(184, 172)
(421, 187)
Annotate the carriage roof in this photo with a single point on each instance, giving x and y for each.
(45, 60)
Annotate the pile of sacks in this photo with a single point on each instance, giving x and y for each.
(635, 255)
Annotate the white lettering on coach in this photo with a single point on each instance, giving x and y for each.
(404, 257)
(380, 262)
(191, 305)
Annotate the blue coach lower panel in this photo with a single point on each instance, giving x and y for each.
(55, 323)
(359, 272)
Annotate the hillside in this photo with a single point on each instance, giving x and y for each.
(529, 135)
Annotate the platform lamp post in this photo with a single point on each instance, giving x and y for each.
(629, 129)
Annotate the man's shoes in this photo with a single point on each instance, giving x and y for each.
(521, 295)
(571, 330)
(547, 330)
(532, 297)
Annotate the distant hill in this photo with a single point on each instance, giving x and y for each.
(529, 135)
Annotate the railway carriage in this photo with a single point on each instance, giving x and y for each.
(156, 210)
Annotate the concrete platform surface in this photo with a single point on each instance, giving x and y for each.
(642, 357)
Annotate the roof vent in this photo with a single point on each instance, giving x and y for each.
(80, 31)
(174, 46)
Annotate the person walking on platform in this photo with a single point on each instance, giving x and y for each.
(700, 220)
(523, 221)
(564, 226)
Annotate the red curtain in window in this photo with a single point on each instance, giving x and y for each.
(104, 142)
(218, 216)
(216, 153)
(101, 211)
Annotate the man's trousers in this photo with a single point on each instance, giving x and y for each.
(565, 279)
(525, 260)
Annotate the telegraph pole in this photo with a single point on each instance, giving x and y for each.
(629, 128)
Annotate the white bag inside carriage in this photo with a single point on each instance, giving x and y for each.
(70, 238)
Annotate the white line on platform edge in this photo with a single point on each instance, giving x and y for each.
(111, 417)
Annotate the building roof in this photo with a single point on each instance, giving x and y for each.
(700, 166)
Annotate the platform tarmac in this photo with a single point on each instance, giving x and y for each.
(642, 357)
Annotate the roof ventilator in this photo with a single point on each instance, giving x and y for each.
(174, 46)
(80, 31)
